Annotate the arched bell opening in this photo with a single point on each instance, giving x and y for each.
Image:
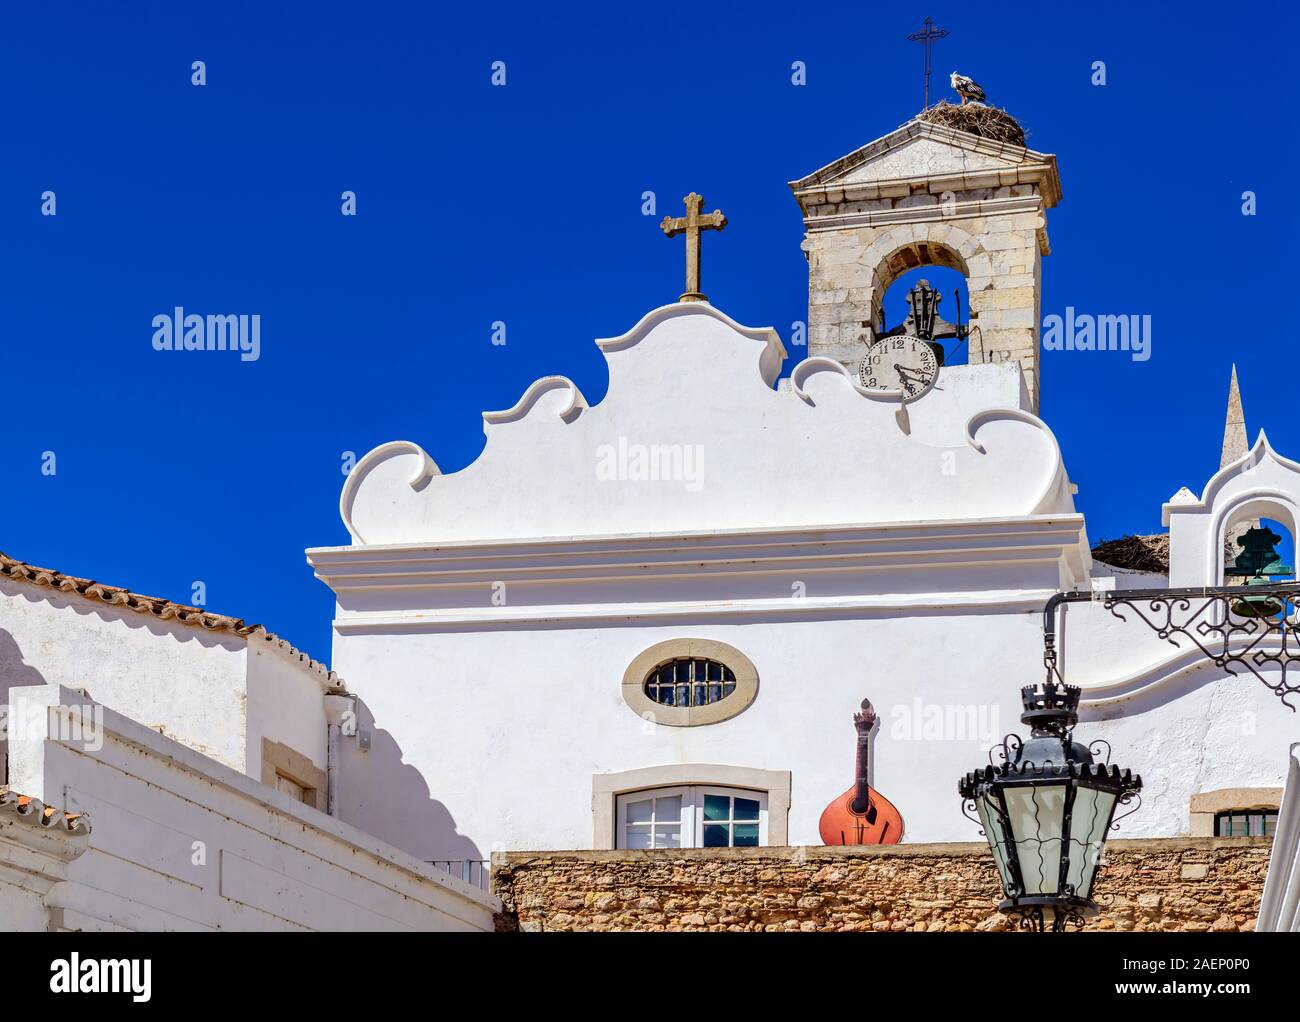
(922, 289)
(1255, 539)
(943, 300)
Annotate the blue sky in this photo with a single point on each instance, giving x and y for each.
(523, 204)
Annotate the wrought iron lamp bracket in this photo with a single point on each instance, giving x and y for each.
(1211, 618)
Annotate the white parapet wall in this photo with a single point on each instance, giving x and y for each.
(179, 841)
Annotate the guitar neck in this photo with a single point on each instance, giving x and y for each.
(861, 788)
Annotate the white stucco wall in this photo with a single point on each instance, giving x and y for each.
(216, 692)
(510, 741)
(167, 675)
(284, 705)
(181, 842)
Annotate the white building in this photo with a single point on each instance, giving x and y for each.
(167, 768)
(817, 540)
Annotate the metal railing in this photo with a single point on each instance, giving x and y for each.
(476, 872)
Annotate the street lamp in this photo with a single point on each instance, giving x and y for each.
(1046, 810)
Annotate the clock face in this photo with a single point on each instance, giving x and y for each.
(902, 366)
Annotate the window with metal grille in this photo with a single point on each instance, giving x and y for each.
(690, 681)
(1245, 823)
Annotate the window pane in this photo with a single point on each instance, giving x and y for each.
(1036, 812)
(690, 682)
(639, 812)
(715, 835)
(637, 837)
(717, 807)
(746, 809)
(746, 835)
(668, 837)
(668, 809)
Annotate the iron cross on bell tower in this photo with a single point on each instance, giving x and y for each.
(926, 37)
(691, 225)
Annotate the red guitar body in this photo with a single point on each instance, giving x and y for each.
(862, 816)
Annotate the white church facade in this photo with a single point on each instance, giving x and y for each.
(533, 628)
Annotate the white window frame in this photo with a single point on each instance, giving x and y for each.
(692, 812)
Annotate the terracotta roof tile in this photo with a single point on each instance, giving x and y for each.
(115, 596)
(162, 609)
(38, 814)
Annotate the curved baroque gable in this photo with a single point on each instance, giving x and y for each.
(693, 435)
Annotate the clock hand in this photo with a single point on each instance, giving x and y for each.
(908, 385)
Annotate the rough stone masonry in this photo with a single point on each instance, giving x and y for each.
(1188, 884)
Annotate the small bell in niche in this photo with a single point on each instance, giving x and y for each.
(1259, 563)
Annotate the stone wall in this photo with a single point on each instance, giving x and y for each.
(1191, 884)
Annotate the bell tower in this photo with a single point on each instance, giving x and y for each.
(930, 194)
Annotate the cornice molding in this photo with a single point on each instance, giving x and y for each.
(969, 210)
(783, 609)
(709, 575)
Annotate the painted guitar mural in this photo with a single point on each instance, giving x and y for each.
(862, 816)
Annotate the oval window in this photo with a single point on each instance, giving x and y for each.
(690, 681)
(684, 682)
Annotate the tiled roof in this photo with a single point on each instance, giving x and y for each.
(163, 610)
(115, 596)
(38, 814)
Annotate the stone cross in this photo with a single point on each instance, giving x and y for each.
(691, 224)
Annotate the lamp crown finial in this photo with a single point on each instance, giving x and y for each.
(1050, 708)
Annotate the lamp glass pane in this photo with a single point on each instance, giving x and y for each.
(1036, 812)
(997, 841)
(1088, 822)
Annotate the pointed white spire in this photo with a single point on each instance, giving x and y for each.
(1234, 428)
(1235, 448)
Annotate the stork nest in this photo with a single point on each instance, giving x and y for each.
(976, 119)
(1136, 553)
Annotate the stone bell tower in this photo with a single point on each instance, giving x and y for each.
(930, 194)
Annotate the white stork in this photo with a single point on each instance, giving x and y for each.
(966, 88)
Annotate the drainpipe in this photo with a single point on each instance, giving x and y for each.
(338, 708)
